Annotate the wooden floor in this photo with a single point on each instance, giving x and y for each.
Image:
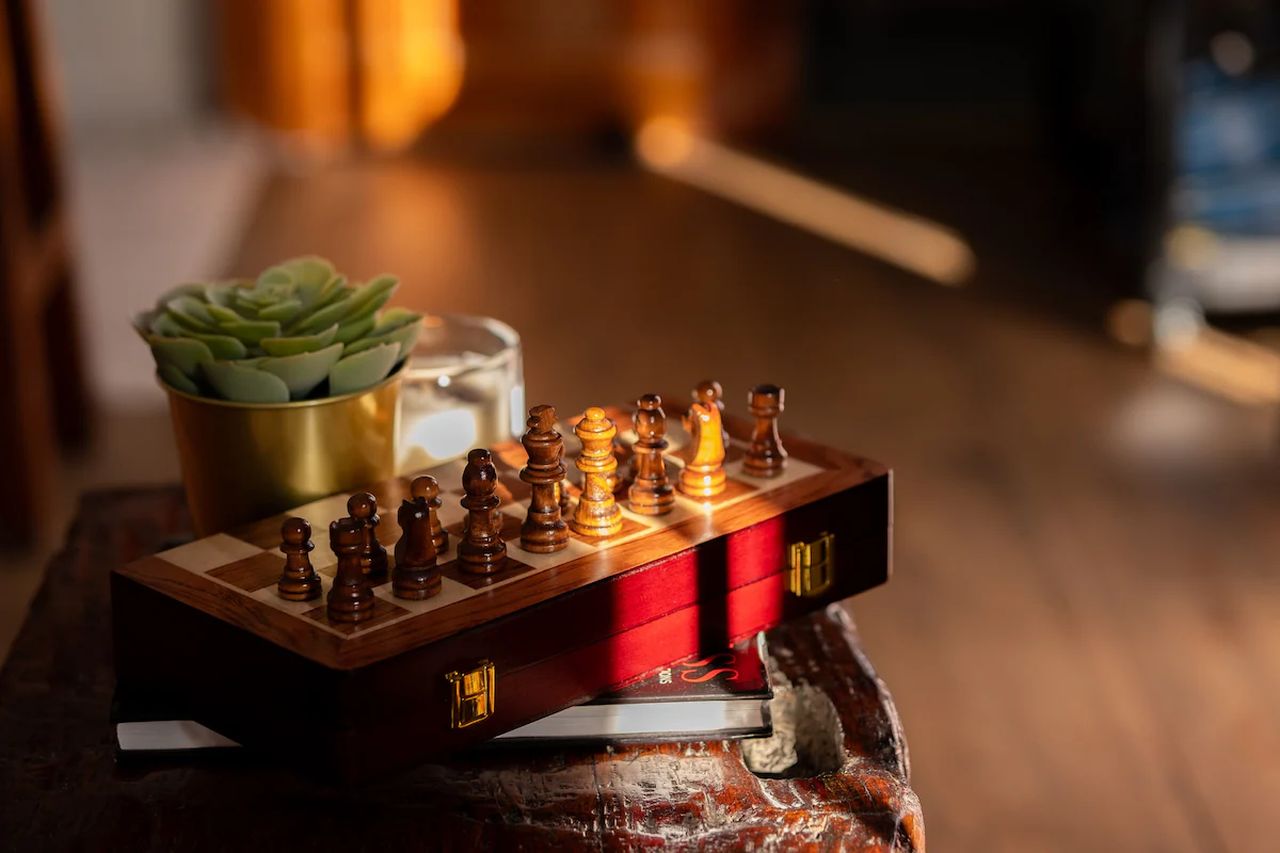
(1083, 631)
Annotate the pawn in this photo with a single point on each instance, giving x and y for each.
(427, 489)
(597, 513)
(703, 475)
(363, 507)
(482, 550)
(650, 492)
(416, 576)
(563, 498)
(766, 456)
(544, 530)
(350, 596)
(298, 581)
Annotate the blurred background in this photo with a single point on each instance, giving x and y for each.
(1028, 253)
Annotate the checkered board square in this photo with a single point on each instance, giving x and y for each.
(247, 559)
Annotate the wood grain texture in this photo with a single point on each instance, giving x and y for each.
(63, 791)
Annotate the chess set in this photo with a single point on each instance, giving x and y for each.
(510, 585)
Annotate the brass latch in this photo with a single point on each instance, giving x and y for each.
(812, 566)
(472, 695)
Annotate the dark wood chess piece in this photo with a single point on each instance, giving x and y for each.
(363, 507)
(427, 489)
(597, 513)
(563, 498)
(766, 456)
(650, 493)
(298, 581)
(481, 550)
(416, 575)
(350, 596)
(544, 530)
(703, 475)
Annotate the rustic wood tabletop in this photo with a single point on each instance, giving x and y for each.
(64, 790)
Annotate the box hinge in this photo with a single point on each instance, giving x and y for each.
(812, 566)
(472, 695)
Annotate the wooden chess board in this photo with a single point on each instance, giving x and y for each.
(233, 574)
(200, 627)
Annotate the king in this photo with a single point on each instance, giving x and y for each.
(598, 514)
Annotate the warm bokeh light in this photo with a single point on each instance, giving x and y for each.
(1224, 364)
(1129, 322)
(915, 244)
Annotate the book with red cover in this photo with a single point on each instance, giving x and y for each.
(200, 626)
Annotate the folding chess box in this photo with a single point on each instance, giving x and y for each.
(200, 628)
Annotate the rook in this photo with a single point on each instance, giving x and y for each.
(350, 596)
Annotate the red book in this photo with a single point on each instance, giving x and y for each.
(720, 696)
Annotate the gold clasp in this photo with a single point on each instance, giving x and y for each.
(472, 695)
(812, 566)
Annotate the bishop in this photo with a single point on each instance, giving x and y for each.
(482, 550)
(650, 492)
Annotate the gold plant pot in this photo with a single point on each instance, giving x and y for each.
(246, 461)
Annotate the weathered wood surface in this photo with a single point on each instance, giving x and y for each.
(61, 789)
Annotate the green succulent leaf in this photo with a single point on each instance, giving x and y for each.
(166, 327)
(222, 346)
(299, 344)
(362, 370)
(354, 329)
(221, 314)
(281, 312)
(303, 372)
(190, 312)
(245, 384)
(272, 276)
(183, 354)
(252, 331)
(175, 378)
(403, 337)
(373, 295)
(311, 274)
(190, 289)
(219, 293)
(278, 335)
(394, 318)
(142, 325)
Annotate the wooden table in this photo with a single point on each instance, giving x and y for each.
(60, 788)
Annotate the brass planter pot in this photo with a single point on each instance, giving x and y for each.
(245, 461)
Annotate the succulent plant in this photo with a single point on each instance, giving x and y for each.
(299, 331)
